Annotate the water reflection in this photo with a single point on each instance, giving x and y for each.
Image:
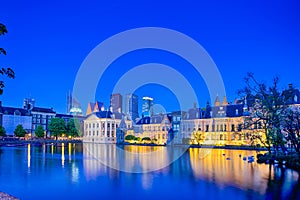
(136, 159)
(28, 155)
(264, 179)
(75, 171)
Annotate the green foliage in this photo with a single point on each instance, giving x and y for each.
(2, 131)
(73, 128)
(146, 139)
(20, 131)
(130, 137)
(39, 132)
(8, 72)
(57, 127)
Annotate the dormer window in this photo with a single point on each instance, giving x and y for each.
(210, 113)
(295, 99)
(236, 112)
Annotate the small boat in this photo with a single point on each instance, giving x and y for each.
(227, 158)
(276, 162)
(244, 158)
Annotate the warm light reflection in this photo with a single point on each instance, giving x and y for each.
(70, 151)
(28, 155)
(62, 154)
(52, 148)
(96, 156)
(226, 167)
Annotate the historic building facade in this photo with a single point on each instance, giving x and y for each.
(105, 127)
(218, 125)
(158, 128)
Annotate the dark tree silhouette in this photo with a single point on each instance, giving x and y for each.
(6, 71)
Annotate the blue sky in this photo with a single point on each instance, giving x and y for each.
(48, 40)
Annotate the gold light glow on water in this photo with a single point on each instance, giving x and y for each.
(70, 151)
(62, 154)
(227, 167)
(52, 148)
(28, 155)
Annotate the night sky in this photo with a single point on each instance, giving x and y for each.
(47, 42)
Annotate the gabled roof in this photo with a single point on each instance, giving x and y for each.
(14, 111)
(193, 113)
(43, 110)
(292, 95)
(94, 107)
(156, 119)
(231, 110)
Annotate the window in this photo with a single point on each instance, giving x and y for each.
(232, 127)
(97, 125)
(240, 127)
(93, 125)
(207, 127)
(225, 127)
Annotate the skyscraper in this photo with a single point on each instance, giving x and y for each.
(73, 106)
(132, 106)
(147, 107)
(116, 103)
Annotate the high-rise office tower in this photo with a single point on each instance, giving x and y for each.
(132, 106)
(73, 106)
(116, 103)
(147, 107)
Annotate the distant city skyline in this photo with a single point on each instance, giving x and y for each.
(260, 37)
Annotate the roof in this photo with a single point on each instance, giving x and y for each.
(156, 119)
(43, 110)
(231, 110)
(14, 111)
(193, 113)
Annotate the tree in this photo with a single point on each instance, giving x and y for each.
(130, 137)
(198, 137)
(267, 109)
(57, 127)
(20, 131)
(8, 72)
(73, 128)
(39, 132)
(291, 126)
(2, 131)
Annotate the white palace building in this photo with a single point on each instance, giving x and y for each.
(105, 127)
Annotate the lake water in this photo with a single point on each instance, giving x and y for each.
(80, 171)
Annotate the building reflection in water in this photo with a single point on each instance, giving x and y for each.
(98, 158)
(236, 172)
(28, 155)
(63, 154)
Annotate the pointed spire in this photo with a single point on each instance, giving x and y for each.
(225, 102)
(217, 101)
